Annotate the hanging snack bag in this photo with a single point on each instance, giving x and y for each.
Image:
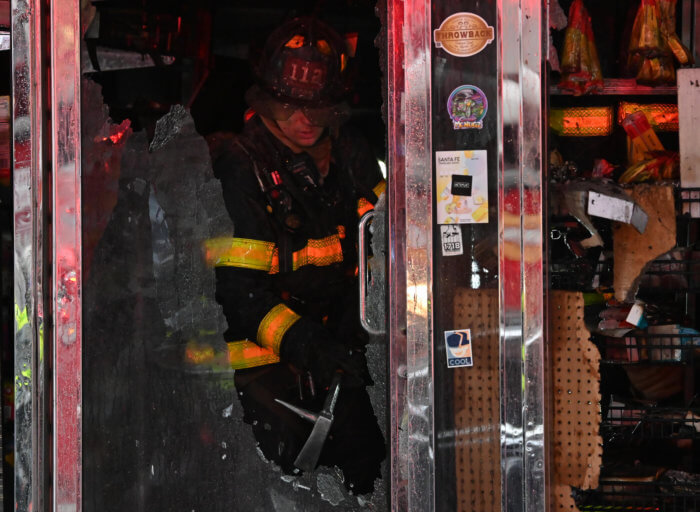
(581, 72)
(654, 43)
(667, 9)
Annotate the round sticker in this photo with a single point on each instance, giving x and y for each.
(463, 34)
(467, 107)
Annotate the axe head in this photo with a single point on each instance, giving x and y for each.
(311, 451)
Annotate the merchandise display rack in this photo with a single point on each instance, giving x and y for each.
(640, 422)
(622, 495)
(651, 444)
(623, 86)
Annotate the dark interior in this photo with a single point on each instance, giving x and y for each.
(202, 57)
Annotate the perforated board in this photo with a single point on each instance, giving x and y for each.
(576, 446)
(477, 405)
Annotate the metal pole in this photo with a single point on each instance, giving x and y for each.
(29, 234)
(420, 451)
(65, 36)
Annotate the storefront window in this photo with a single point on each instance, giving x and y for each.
(164, 419)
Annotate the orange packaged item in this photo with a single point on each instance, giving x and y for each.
(663, 117)
(663, 165)
(667, 9)
(581, 121)
(646, 31)
(581, 72)
(654, 43)
(641, 138)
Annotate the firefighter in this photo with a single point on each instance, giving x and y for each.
(295, 183)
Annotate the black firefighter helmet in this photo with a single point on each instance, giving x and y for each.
(305, 64)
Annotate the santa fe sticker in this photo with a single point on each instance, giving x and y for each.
(467, 107)
(463, 34)
(459, 348)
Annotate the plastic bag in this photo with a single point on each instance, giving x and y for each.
(581, 72)
(654, 43)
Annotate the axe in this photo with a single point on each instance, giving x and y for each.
(309, 454)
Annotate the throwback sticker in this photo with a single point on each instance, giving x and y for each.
(462, 187)
(463, 34)
(459, 348)
(451, 238)
(467, 107)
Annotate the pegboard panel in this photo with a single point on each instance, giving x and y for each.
(477, 405)
(576, 444)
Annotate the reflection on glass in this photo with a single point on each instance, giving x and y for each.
(467, 111)
(295, 183)
(224, 365)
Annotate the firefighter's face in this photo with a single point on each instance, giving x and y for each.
(300, 130)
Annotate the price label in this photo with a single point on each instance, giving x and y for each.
(688, 123)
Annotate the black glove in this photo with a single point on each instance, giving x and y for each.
(311, 347)
(325, 357)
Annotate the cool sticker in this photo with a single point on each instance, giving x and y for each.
(467, 107)
(463, 34)
(458, 345)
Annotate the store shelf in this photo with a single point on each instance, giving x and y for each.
(633, 423)
(672, 275)
(649, 376)
(624, 494)
(623, 87)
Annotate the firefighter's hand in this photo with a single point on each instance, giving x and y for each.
(327, 357)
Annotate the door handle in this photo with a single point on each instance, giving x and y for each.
(363, 274)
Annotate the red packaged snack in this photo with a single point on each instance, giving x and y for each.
(581, 72)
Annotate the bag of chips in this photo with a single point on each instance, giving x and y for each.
(660, 165)
(667, 9)
(654, 43)
(580, 66)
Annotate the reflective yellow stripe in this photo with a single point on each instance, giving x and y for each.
(21, 318)
(363, 206)
(379, 188)
(319, 252)
(259, 255)
(240, 252)
(274, 326)
(239, 354)
(199, 354)
(246, 354)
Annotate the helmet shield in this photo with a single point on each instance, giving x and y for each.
(267, 105)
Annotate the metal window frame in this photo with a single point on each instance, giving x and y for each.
(523, 449)
(65, 43)
(48, 413)
(415, 271)
(396, 216)
(30, 193)
(410, 270)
